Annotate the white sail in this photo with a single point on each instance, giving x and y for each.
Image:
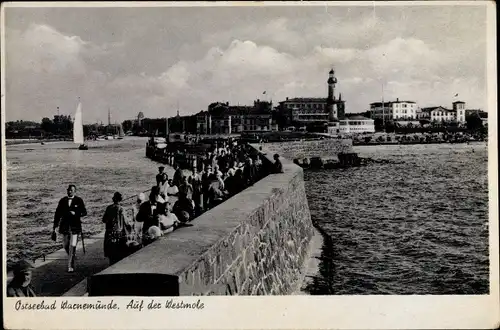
(78, 125)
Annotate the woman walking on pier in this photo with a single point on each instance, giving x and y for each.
(117, 230)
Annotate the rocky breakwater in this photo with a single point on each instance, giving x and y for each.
(326, 148)
(325, 153)
(255, 243)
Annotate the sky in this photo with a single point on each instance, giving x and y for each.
(160, 60)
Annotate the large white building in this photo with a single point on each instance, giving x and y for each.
(394, 110)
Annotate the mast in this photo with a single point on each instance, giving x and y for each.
(383, 107)
(166, 129)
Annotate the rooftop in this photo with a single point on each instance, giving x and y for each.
(429, 109)
(306, 99)
(235, 111)
(390, 102)
(358, 117)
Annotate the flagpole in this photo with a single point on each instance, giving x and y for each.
(383, 106)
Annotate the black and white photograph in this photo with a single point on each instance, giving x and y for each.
(248, 150)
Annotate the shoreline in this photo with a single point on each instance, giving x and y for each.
(9, 142)
(354, 144)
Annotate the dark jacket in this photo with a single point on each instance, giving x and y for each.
(277, 167)
(183, 204)
(249, 174)
(177, 179)
(205, 182)
(161, 177)
(65, 220)
(117, 229)
(147, 217)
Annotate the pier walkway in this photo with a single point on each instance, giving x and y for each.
(51, 279)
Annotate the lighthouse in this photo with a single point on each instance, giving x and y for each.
(330, 101)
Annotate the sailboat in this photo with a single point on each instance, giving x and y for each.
(78, 128)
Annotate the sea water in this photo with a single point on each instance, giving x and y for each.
(415, 225)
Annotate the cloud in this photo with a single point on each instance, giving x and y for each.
(285, 56)
(46, 50)
(244, 69)
(46, 69)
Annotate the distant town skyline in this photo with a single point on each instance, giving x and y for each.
(159, 60)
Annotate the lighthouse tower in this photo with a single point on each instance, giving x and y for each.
(330, 102)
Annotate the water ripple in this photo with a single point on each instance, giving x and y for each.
(415, 226)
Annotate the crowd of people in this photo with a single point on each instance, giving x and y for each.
(221, 173)
(224, 170)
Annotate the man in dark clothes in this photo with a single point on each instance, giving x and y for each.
(229, 182)
(205, 183)
(249, 172)
(197, 193)
(186, 188)
(150, 211)
(161, 177)
(223, 161)
(20, 286)
(177, 179)
(277, 166)
(68, 218)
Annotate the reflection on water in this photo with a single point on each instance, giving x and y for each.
(415, 226)
(37, 177)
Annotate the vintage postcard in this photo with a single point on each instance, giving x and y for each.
(250, 165)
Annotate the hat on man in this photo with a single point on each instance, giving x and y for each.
(161, 167)
(22, 266)
(117, 197)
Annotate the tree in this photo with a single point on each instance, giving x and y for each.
(127, 125)
(47, 125)
(423, 122)
(390, 127)
(379, 124)
(474, 122)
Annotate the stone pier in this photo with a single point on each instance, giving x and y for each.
(255, 243)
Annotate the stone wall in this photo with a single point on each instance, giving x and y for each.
(326, 149)
(255, 243)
